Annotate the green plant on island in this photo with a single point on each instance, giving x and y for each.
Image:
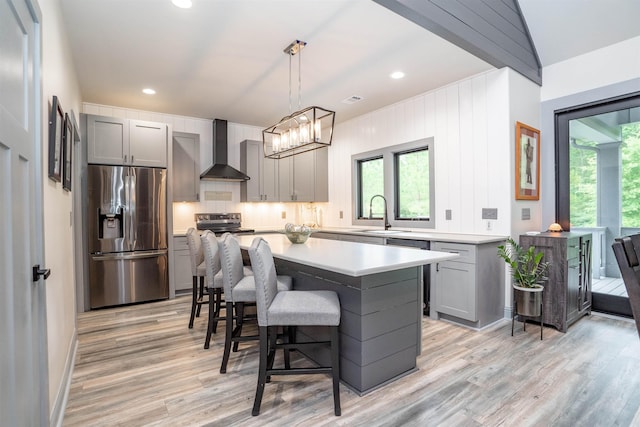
(527, 268)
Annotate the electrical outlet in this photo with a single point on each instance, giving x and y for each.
(284, 215)
(447, 214)
(488, 225)
(341, 215)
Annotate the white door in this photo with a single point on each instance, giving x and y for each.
(24, 393)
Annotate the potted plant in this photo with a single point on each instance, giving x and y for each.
(528, 272)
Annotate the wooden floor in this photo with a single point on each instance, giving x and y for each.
(141, 365)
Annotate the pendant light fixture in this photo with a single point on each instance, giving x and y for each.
(304, 130)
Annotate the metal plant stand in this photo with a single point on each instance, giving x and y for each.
(524, 319)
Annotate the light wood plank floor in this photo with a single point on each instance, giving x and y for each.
(141, 365)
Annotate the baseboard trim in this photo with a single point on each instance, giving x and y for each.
(57, 412)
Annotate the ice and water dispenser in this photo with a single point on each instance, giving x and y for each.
(110, 222)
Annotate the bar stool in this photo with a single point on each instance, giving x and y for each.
(239, 289)
(198, 271)
(213, 283)
(290, 308)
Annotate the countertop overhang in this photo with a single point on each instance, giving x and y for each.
(349, 258)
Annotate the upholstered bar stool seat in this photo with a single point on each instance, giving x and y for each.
(290, 309)
(239, 289)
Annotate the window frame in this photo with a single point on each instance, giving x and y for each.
(390, 178)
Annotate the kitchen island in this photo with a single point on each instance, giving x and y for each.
(380, 291)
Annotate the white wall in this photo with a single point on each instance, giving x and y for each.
(473, 125)
(602, 67)
(58, 79)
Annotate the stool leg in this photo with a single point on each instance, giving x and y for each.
(194, 301)
(200, 295)
(335, 368)
(227, 338)
(288, 337)
(210, 327)
(218, 304)
(239, 320)
(262, 370)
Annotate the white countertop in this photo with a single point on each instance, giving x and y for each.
(349, 258)
(434, 236)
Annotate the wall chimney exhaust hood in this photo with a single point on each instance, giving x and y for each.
(221, 171)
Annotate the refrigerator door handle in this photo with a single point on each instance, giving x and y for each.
(133, 205)
(128, 256)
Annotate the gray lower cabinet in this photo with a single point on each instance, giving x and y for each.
(567, 293)
(263, 185)
(116, 141)
(186, 167)
(304, 177)
(182, 264)
(469, 289)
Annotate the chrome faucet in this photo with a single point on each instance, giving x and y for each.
(385, 217)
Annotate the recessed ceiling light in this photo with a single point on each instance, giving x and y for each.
(184, 4)
(148, 91)
(397, 75)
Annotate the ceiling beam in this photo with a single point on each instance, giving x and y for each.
(493, 30)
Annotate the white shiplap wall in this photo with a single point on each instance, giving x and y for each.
(470, 124)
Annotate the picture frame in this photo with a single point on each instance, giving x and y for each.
(67, 153)
(56, 133)
(527, 162)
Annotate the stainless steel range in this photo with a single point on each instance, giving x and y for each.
(221, 223)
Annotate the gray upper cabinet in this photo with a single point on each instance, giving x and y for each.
(107, 139)
(263, 185)
(304, 177)
(147, 144)
(116, 141)
(186, 167)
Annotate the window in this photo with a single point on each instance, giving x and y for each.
(403, 175)
(371, 177)
(412, 184)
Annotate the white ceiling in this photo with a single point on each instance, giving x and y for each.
(224, 58)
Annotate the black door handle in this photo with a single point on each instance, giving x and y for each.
(37, 272)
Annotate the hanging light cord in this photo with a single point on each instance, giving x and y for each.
(299, 76)
(290, 55)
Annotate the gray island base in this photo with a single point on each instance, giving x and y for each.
(380, 291)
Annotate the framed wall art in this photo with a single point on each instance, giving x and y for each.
(56, 133)
(527, 162)
(67, 153)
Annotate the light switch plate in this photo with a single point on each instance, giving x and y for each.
(447, 214)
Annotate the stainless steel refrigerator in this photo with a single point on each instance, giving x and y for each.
(127, 234)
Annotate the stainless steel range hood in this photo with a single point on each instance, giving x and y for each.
(221, 171)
